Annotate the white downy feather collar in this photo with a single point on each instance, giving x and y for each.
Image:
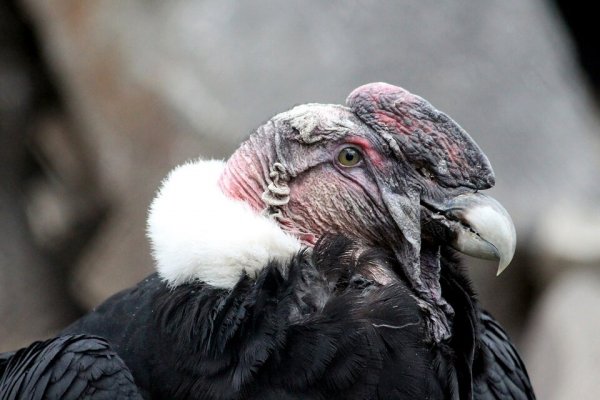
(197, 233)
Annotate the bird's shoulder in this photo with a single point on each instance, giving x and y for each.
(128, 305)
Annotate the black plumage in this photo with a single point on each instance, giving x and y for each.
(295, 272)
(502, 370)
(67, 367)
(491, 366)
(318, 328)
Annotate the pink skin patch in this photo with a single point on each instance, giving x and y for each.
(368, 150)
(396, 111)
(236, 183)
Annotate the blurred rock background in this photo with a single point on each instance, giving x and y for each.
(98, 100)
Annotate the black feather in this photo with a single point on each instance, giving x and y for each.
(322, 326)
(67, 367)
(317, 328)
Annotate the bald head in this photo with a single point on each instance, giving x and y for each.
(375, 170)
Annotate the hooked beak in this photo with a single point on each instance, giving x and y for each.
(479, 227)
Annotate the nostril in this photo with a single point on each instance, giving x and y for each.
(426, 173)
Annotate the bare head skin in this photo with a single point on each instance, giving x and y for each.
(384, 170)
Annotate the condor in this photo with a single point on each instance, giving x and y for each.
(319, 262)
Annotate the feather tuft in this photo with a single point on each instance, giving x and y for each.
(197, 233)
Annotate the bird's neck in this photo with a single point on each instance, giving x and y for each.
(255, 176)
(429, 293)
(244, 176)
(199, 233)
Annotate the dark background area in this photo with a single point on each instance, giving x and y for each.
(584, 31)
(98, 100)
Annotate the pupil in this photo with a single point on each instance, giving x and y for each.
(349, 156)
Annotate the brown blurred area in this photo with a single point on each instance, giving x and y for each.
(99, 100)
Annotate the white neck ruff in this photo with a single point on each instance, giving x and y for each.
(197, 233)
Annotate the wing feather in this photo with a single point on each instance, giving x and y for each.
(66, 367)
(502, 373)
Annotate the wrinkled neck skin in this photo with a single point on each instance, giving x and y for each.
(419, 259)
(438, 311)
(255, 175)
(244, 176)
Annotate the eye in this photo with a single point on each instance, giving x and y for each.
(349, 156)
